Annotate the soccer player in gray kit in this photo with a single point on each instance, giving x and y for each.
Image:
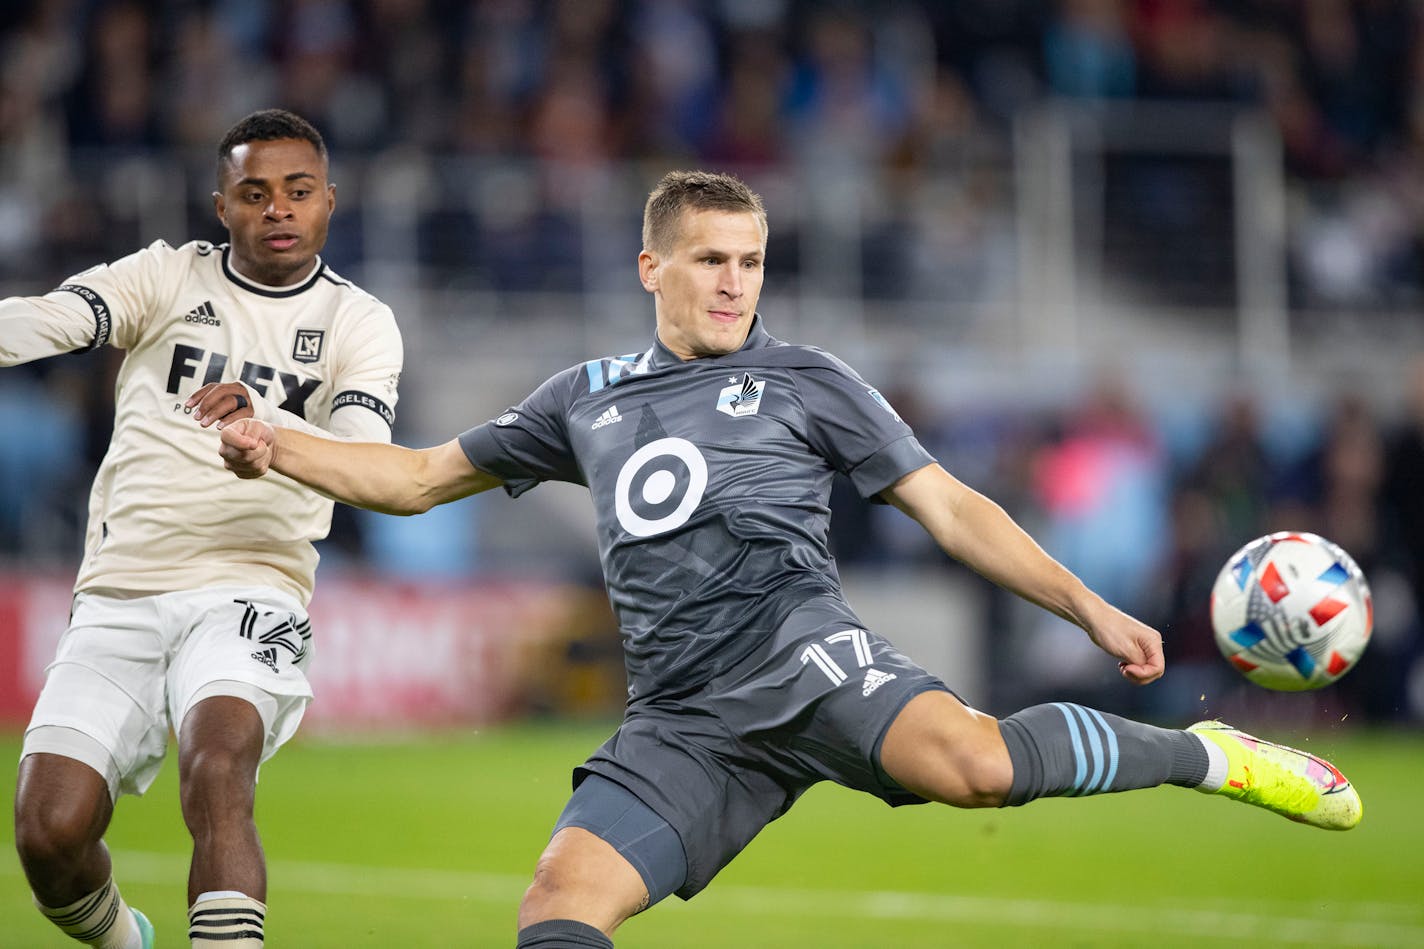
(709, 458)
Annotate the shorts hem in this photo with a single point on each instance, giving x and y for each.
(70, 741)
(893, 794)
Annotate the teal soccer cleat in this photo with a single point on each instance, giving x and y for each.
(145, 928)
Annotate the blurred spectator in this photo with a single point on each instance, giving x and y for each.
(113, 103)
(1087, 50)
(1233, 475)
(1103, 486)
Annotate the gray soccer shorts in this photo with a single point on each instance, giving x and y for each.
(812, 704)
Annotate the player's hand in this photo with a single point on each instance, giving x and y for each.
(248, 447)
(1137, 646)
(220, 403)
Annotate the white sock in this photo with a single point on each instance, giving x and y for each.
(101, 919)
(226, 919)
(1216, 768)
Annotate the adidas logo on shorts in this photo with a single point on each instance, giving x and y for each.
(268, 657)
(874, 679)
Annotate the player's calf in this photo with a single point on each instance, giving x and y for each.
(1063, 749)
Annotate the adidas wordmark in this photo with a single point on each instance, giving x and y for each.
(874, 679)
(609, 416)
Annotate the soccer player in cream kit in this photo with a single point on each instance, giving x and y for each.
(190, 603)
(709, 458)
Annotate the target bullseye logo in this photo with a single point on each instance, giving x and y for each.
(660, 486)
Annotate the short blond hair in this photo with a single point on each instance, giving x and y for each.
(680, 191)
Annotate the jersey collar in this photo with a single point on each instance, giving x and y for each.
(262, 289)
(660, 357)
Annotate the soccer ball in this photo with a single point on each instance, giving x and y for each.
(1291, 611)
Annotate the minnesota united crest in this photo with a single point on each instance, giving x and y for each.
(741, 398)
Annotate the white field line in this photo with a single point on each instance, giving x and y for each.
(1357, 924)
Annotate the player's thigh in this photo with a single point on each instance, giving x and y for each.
(707, 784)
(250, 644)
(637, 834)
(583, 877)
(102, 702)
(943, 750)
(829, 699)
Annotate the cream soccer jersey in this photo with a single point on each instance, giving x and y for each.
(163, 513)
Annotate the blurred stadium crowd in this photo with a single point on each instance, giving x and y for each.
(1143, 504)
(890, 86)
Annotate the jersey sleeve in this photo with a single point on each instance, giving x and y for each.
(853, 427)
(110, 303)
(364, 385)
(364, 406)
(529, 443)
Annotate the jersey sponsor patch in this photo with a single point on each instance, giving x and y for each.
(308, 344)
(741, 398)
(366, 401)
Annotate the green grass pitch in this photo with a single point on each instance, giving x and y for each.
(428, 842)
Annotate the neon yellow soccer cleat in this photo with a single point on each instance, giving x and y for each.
(1294, 784)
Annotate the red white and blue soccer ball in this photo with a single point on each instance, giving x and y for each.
(1291, 611)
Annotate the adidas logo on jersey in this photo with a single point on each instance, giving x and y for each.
(874, 679)
(203, 314)
(609, 416)
(268, 657)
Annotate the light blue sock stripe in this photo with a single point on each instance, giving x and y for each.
(1112, 750)
(1095, 752)
(1076, 733)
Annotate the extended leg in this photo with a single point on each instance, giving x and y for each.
(944, 751)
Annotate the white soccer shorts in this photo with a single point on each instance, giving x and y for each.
(128, 670)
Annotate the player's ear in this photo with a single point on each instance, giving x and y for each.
(330, 198)
(648, 263)
(220, 206)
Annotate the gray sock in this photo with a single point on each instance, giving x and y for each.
(562, 934)
(1064, 749)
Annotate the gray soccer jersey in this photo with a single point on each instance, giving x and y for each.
(711, 481)
(163, 514)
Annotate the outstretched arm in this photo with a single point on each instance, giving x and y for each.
(977, 532)
(385, 478)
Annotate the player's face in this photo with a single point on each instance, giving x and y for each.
(275, 203)
(707, 286)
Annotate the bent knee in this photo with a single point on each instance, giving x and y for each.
(944, 751)
(46, 831)
(581, 877)
(984, 780)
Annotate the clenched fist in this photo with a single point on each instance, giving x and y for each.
(248, 447)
